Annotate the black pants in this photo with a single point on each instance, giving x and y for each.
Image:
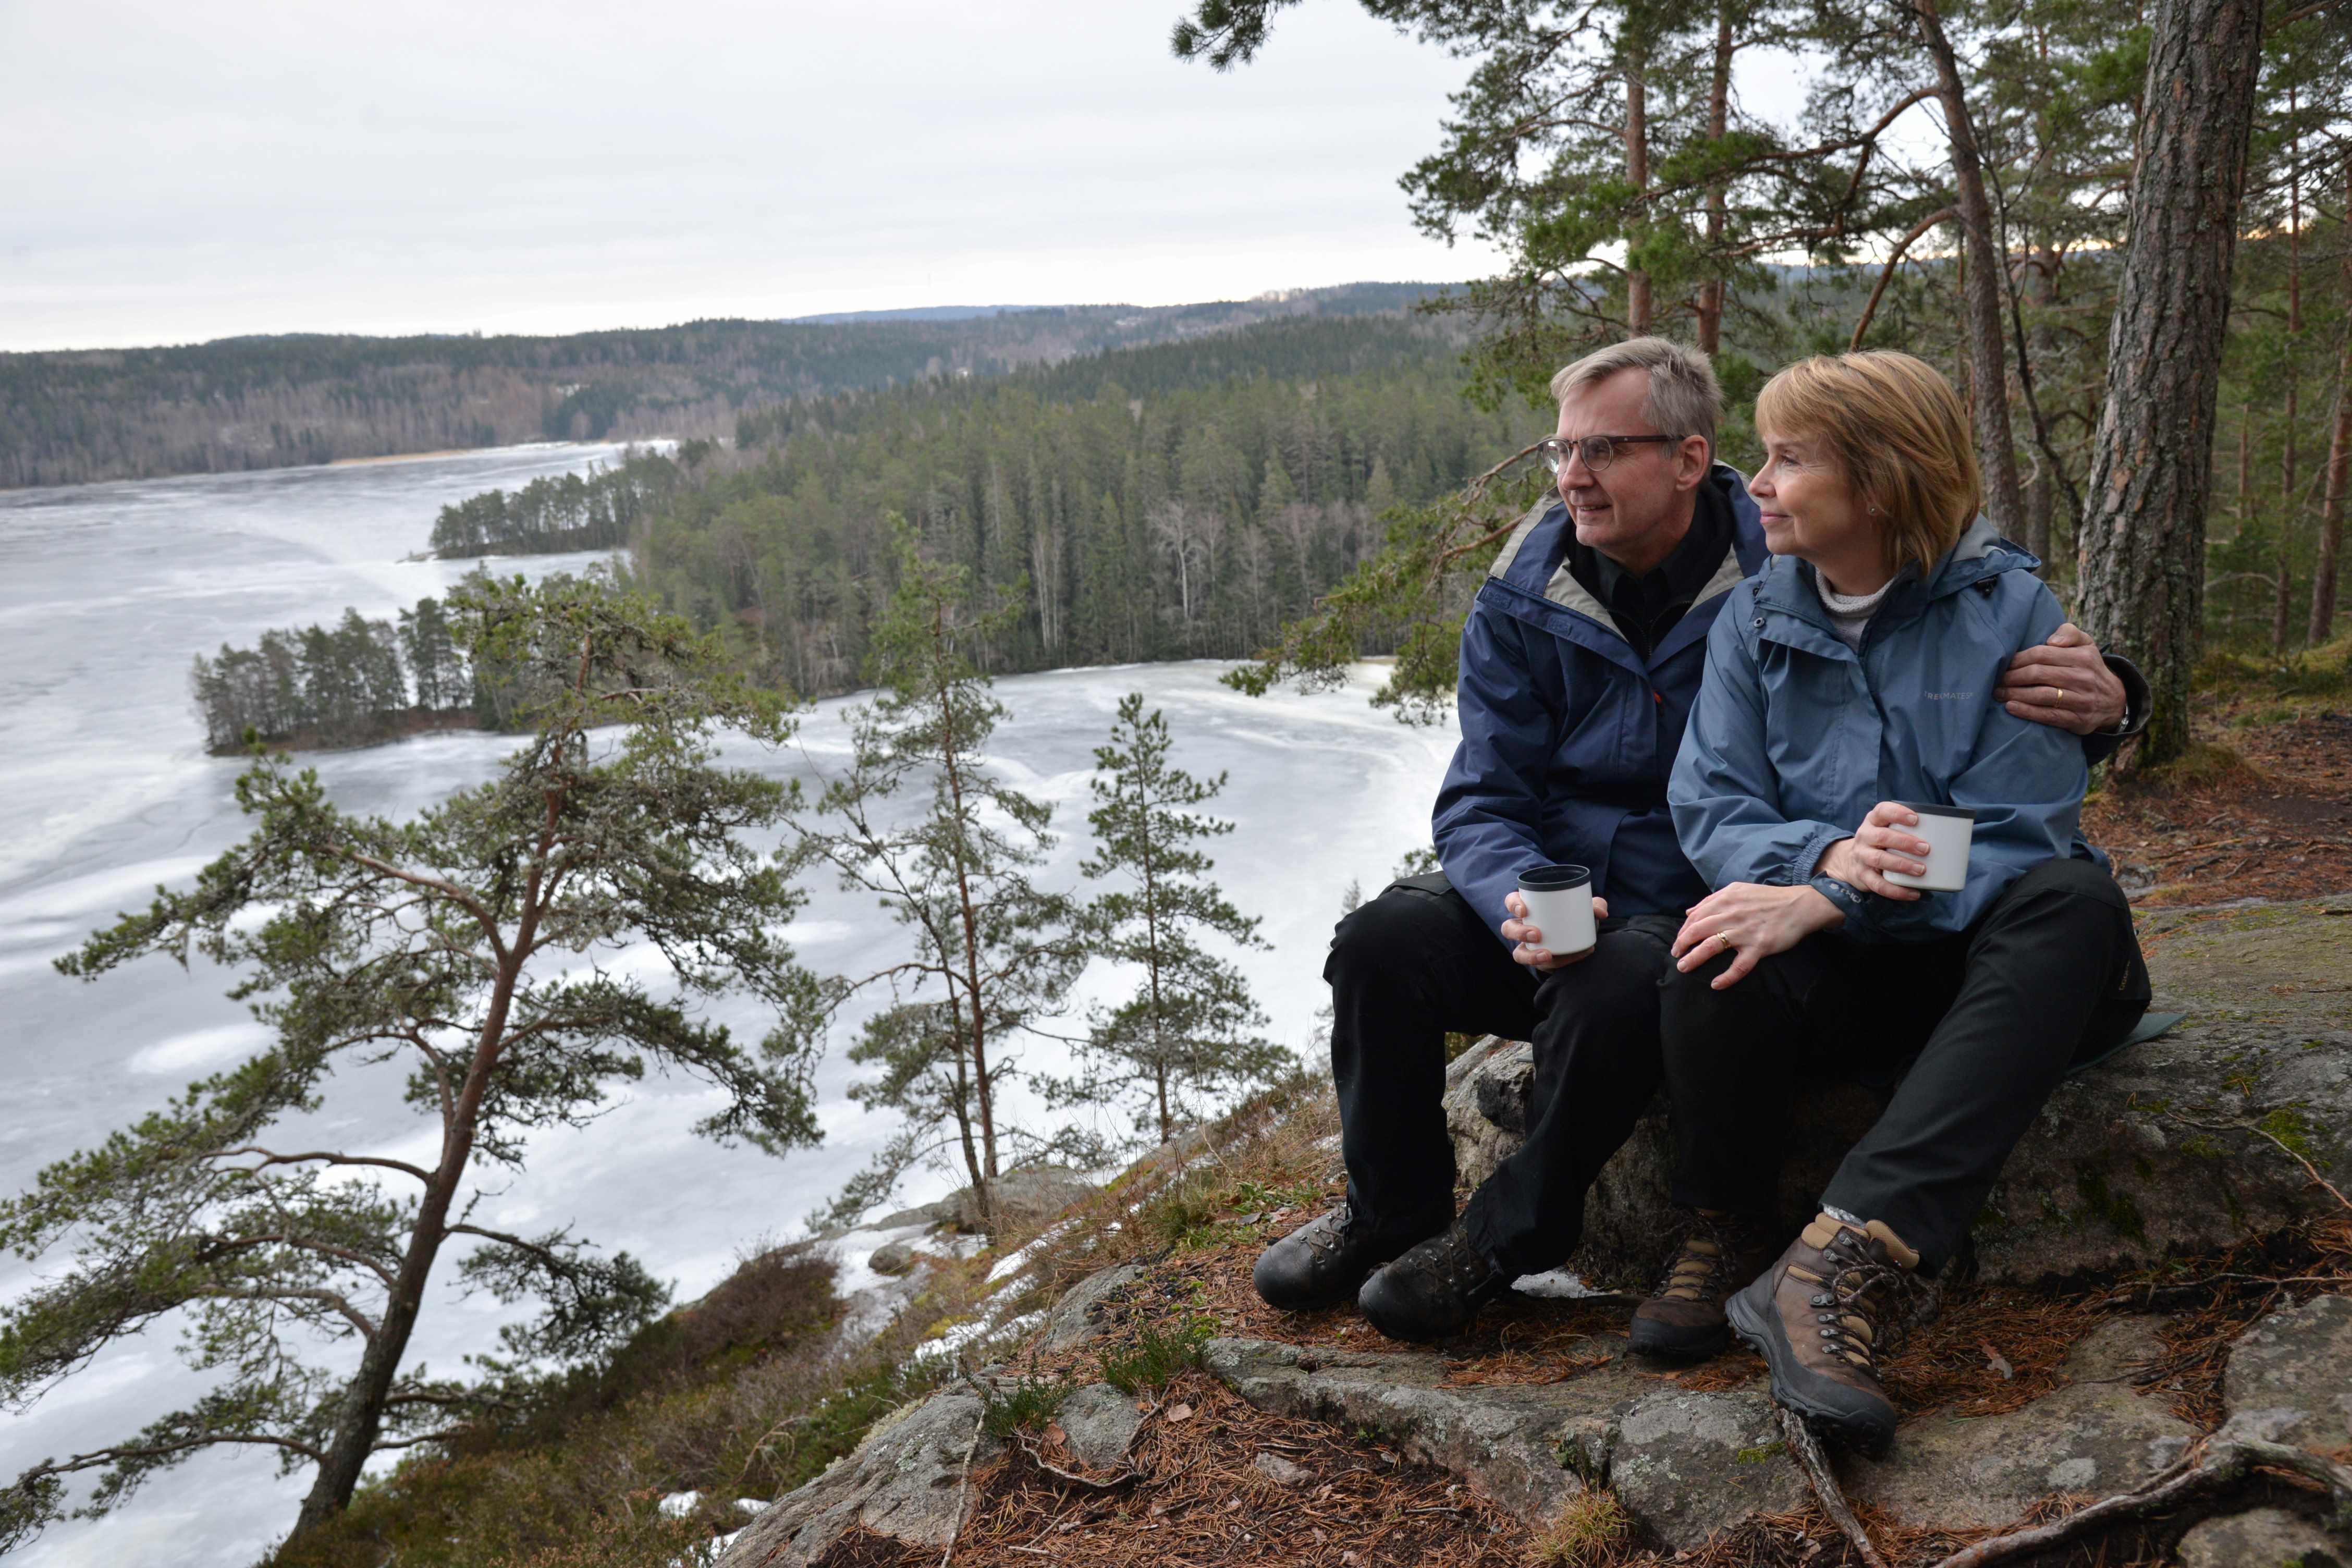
(1417, 962)
(1987, 1021)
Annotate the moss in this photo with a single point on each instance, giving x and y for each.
(1763, 1453)
(2200, 1147)
(2117, 1212)
(2293, 1134)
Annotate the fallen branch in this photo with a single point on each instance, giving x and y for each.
(1816, 1465)
(2226, 1461)
(1038, 1458)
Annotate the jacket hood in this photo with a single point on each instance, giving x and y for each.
(1980, 553)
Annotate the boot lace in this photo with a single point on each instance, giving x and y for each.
(1701, 1269)
(1868, 1306)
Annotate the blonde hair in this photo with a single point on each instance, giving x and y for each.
(1683, 399)
(1898, 429)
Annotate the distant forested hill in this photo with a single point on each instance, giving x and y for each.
(1166, 502)
(70, 417)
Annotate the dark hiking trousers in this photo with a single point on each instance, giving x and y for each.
(1417, 962)
(1988, 1022)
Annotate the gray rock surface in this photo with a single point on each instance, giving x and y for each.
(1078, 1317)
(1023, 1199)
(1687, 1464)
(904, 1481)
(891, 1257)
(2290, 1376)
(1502, 1439)
(1098, 1422)
(2154, 1152)
(2264, 1538)
(2097, 1435)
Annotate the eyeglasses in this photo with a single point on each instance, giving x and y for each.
(1598, 451)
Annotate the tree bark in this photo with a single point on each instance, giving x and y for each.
(1638, 312)
(2282, 590)
(2339, 455)
(2142, 550)
(2041, 490)
(1718, 121)
(1989, 361)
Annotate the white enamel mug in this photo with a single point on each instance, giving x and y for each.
(1947, 830)
(1559, 905)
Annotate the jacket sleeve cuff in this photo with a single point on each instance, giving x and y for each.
(1800, 869)
(1850, 900)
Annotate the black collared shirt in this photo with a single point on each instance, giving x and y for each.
(1646, 607)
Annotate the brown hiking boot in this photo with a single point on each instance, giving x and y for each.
(1683, 1320)
(1823, 1315)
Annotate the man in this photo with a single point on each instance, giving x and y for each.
(1580, 661)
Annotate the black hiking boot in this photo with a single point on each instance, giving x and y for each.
(1323, 1262)
(1434, 1291)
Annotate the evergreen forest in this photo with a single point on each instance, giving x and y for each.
(74, 416)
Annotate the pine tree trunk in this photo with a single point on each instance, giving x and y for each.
(2282, 588)
(1718, 121)
(1988, 360)
(1638, 311)
(983, 1090)
(2339, 455)
(359, 1420)
(2142, 550)
(2041, 490)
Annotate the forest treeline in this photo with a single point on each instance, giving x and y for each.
(1158, 503)
(1181, 501)
(352, 684)
(557, 512)
(75, 416)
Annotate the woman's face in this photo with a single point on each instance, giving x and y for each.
(1809, 511)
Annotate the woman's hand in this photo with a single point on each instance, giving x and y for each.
(1879, 845)
(1753, 921)
(1530, 950)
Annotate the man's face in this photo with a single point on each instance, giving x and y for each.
(1637, 509)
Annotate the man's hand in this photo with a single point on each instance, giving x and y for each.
(1530, 950)
(1879, 845)
(1752, 921)
(2063, 682)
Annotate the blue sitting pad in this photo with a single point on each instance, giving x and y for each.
(2150, 1026)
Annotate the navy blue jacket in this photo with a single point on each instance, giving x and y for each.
(1568, 734)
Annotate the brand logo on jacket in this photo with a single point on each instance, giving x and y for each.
(1950, 696)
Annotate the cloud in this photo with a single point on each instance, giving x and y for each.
(185, 172)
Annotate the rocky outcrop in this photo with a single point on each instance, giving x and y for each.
(2184, 1144)
(2290, 1377)
(904, 1481)
(1078, 1316)
(2264, 1538)
(2096, 1435)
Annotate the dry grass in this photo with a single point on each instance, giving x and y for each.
(1591, 1531)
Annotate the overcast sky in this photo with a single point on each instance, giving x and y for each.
(174, 170)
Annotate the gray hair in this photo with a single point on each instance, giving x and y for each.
(1683, 398)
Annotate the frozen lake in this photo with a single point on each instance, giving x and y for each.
(106, 594)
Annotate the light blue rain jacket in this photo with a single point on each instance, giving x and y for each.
(1796, 736)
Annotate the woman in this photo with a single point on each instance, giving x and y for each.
(1854, 673)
